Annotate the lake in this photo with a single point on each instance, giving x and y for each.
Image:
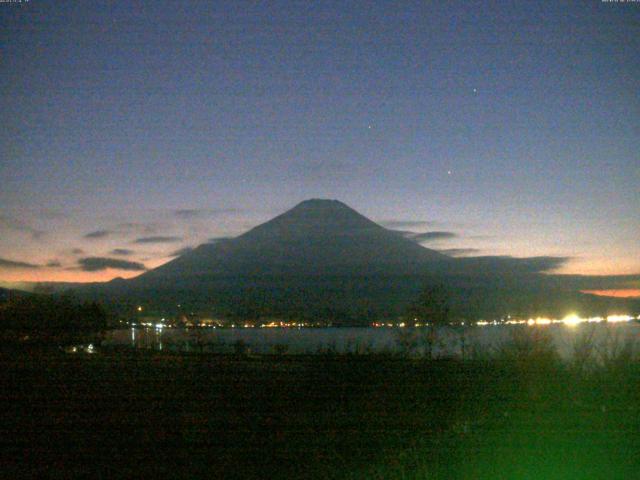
(361, 340)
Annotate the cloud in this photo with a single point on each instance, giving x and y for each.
(599, 282)
(459, 252)
(121, 251)
(123, 229)
(5, 263)
(95, 264)
(17, 225)
(405, 233)
(427, 236)
(401, 224)
(431, 236)
(218, 239)
(181, 251)
(540, 264)
(505, 265)
(188, 213)
(158, 239)
(54, 264)
(98, 234)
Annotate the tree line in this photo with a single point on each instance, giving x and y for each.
(42, 317)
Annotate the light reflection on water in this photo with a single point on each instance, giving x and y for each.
(355, 340)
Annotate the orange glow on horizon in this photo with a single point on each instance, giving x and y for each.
(619, 293)
(12, 278)
(74, 276)
(8, 277)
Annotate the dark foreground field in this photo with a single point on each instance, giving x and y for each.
(136, 414)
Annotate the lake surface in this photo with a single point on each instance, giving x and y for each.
(362, 340)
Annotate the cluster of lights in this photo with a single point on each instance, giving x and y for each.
(160, 326)
(81, 349)
(401, 324)
(414, 324)
(284, 325)
(570, 320)
(151, 324)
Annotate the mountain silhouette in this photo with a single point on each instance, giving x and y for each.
(322, 260)
(316, 237)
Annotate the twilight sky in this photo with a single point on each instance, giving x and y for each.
(132, 130)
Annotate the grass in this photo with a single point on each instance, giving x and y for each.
(519, 413)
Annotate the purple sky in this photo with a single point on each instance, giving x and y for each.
(160, 125)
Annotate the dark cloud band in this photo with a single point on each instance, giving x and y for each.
(431, 236)
(427, 236)
(5, 263)
(122, 251)
(401, 224)
(98, 234)
(95, 264)
(158, 239)
(459, 252)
